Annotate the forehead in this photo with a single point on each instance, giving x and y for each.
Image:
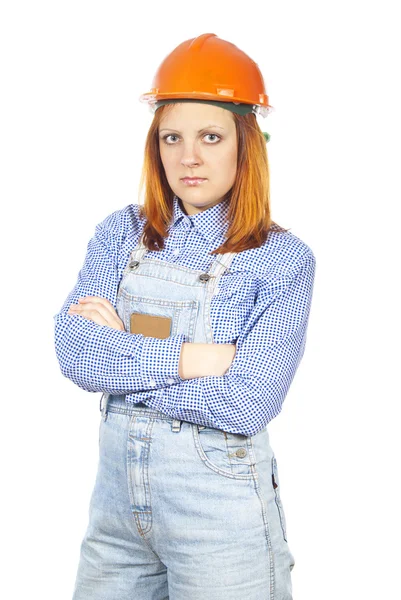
(196, 115)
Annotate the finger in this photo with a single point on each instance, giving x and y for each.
(92, 313)
(100, 301)
(96, 299)
(99, 314)
(91, 309)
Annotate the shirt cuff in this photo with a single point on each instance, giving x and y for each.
(160, 359)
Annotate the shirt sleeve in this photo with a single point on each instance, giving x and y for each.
(99, 358)
(269, 351)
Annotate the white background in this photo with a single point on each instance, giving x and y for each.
(72, 137)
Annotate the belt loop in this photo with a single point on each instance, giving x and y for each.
(176, 425)
(103, 405)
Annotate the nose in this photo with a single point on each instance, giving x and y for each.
(190, 156)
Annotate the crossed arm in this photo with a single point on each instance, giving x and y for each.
(238, 388)
(196, 359)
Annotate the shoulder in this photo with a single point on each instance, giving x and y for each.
(123, 224)
(286, 254)
(283, 254)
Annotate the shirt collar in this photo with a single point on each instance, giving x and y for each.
(211, 223)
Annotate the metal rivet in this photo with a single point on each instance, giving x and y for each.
(204, 277)
(134, 264)
(241, 452)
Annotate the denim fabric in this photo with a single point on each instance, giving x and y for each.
(180, 510)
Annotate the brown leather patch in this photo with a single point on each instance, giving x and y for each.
(150, 325)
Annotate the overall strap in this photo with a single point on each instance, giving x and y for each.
(220, 263)
(139, 251)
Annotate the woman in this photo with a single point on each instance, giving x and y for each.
(190, 315)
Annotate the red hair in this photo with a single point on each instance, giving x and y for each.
(249, 198)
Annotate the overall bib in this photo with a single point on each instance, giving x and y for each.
(180, 511)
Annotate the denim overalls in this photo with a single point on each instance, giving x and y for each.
(180, 511)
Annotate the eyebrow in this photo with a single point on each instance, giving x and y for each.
(169, 129)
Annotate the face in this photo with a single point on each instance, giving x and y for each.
(198, 140)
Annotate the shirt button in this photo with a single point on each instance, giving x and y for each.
(170, 380)
(152, 382)
(176, 251)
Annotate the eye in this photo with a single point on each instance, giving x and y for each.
(164, 138)
(213, 135)
(173, 135)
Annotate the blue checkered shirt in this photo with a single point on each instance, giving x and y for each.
(262, 306)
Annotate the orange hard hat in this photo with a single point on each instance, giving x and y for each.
(209, 68)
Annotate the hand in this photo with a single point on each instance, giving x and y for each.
(99, 310)
(203, 360)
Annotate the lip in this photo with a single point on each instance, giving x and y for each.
(192, 180)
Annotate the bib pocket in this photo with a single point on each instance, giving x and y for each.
(183, 313)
